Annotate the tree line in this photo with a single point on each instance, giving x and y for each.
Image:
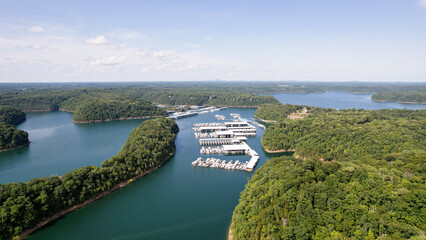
(399, 96)
(10, 137)
(71, 99)
(23, 205)
(358, 174)
(95, 110)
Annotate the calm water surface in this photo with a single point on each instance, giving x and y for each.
(175, 202)
(341, 100)
(58, 146)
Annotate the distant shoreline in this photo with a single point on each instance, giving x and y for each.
(377, 100)
(114, 119)
(42, 110)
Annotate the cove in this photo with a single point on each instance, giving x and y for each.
(58, 146)
(175, 202)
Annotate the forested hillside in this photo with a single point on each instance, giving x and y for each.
(23, 205)
(278, 111)
(359, 175)
(10, 137)
(71, 99)
(288, 198)
(11, 115)
(404, 97)
(95, 110)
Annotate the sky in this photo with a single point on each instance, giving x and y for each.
(247, 40)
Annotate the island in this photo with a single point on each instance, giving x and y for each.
(355, 174)
(26, 207)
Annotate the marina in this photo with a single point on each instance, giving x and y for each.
(195, 110)
(228, 138)
(218, 163)
(206, 192)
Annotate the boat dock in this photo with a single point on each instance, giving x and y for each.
(195, 111)
(227, 138)
(218, 163)
(234, 129)
(221, 141)
(235, 149)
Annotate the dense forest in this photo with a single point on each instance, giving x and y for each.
(71, 99)
(358, 175)
(253, 87)
(10, 137)
(11, 115)
(289, 198)
(403, 97)
(23, 205)
(68, 96)
(96, 110)
(278, 111)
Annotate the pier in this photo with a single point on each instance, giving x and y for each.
(218, 163)
(227, 138)
(195, 111)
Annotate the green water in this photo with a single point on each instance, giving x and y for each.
(58, 146)
(175, 202)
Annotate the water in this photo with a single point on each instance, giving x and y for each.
(341, 100)
(177, 201)
(58, 146)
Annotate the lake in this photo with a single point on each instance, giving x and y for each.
(177, 201)
(341, 100)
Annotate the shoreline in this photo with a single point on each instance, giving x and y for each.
(56, 216)
(278, 151)
(114, 119)
(267, 121)
(230, 232)
(380, 100)
(43, 110)
(9, 149)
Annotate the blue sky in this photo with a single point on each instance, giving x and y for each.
(319, 40)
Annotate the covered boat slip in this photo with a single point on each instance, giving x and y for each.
(230, 139)
(227, 129)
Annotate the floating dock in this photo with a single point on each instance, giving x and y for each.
(218, 163)
(228, 138)
(233, 129)
(195, 111)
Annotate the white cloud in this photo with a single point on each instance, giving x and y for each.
(107, 60)
(155, 54)
(36, 29)
(422, 3)
(37, 45)
(143, 53)
(99, 40)
(193, 45)
(163, 53)
(209, 38)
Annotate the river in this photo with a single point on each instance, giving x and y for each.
(175, 202)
